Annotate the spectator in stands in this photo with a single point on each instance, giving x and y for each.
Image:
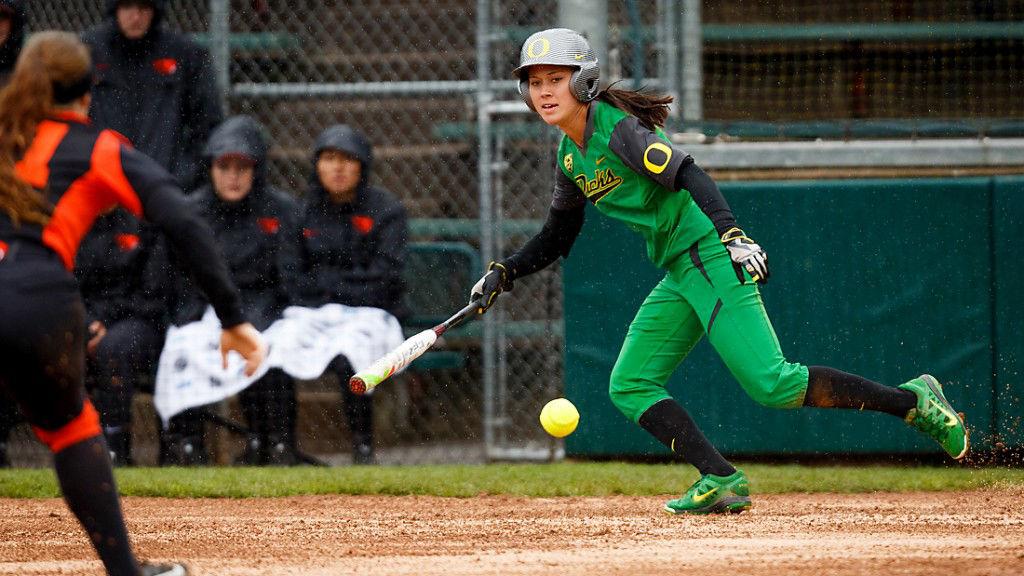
(12, 35)
(255, 225)
(354, 238)
(122, 287)
(154, 86)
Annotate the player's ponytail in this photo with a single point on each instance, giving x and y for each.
(50, 61)
(650, 108)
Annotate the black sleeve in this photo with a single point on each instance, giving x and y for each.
(646, 152)
(566, 194)
(164, 204)
(555, 239)
(707, 196)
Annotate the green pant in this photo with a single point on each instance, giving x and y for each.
(701, 295)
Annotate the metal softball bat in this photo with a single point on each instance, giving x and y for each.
(397, 359)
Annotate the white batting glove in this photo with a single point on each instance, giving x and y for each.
(747, 254)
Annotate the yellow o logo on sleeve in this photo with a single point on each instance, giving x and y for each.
(538, 48)
(657, 167)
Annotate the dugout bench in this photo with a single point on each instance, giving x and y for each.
(438, 276)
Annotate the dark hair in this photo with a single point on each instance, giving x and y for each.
(49, 59)
(649, 107)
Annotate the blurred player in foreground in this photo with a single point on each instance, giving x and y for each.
(57, 174)
(12, 36)
(615, 154)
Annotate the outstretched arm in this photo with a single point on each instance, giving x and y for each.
(563, 225)
(146, 188)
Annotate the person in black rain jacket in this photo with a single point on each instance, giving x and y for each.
(354, 237)
(255, 226)
(121, 282)
(154, 86)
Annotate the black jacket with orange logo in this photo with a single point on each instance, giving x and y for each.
(159, 91)
(85, 172)
(119, 275)
(353, 254)
(258, 234)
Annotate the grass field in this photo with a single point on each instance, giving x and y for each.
(532, 480)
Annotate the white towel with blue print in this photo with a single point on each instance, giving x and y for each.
(302, 343)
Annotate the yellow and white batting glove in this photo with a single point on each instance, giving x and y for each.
(747, 254)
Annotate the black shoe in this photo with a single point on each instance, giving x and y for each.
(120, 460)
(362, 454)
(119, 443)
(172, 569)
(281, 451)
(254, 454)
(186, 451)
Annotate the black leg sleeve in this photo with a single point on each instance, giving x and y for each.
(281, 406)
(359, 412)
(255, 403)
(672, 425)
(87, 481)
(130, 350)
(831, 388)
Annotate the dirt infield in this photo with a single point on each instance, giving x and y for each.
(963, 533)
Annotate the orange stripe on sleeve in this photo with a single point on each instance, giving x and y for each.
(106, 166)
(84, 426)
(33, 168)
(73, 215)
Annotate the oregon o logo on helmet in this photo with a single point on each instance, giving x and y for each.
(654, 166)
(545, 47)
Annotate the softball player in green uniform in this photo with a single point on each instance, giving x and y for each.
(615, 154)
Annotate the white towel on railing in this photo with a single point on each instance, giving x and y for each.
(302, 343)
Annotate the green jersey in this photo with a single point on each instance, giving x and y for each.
(628, 172)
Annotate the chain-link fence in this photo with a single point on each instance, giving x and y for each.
(425, 79)
(405, 74)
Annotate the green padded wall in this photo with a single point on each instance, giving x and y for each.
(884, 278)
(1008, 221)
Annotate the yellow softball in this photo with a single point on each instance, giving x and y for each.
(559, 417)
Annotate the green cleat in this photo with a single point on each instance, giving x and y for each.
(935, 416)
(713, 495)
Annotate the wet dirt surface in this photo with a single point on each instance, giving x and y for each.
(960, 533)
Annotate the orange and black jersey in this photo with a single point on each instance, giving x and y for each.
(85, 171)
